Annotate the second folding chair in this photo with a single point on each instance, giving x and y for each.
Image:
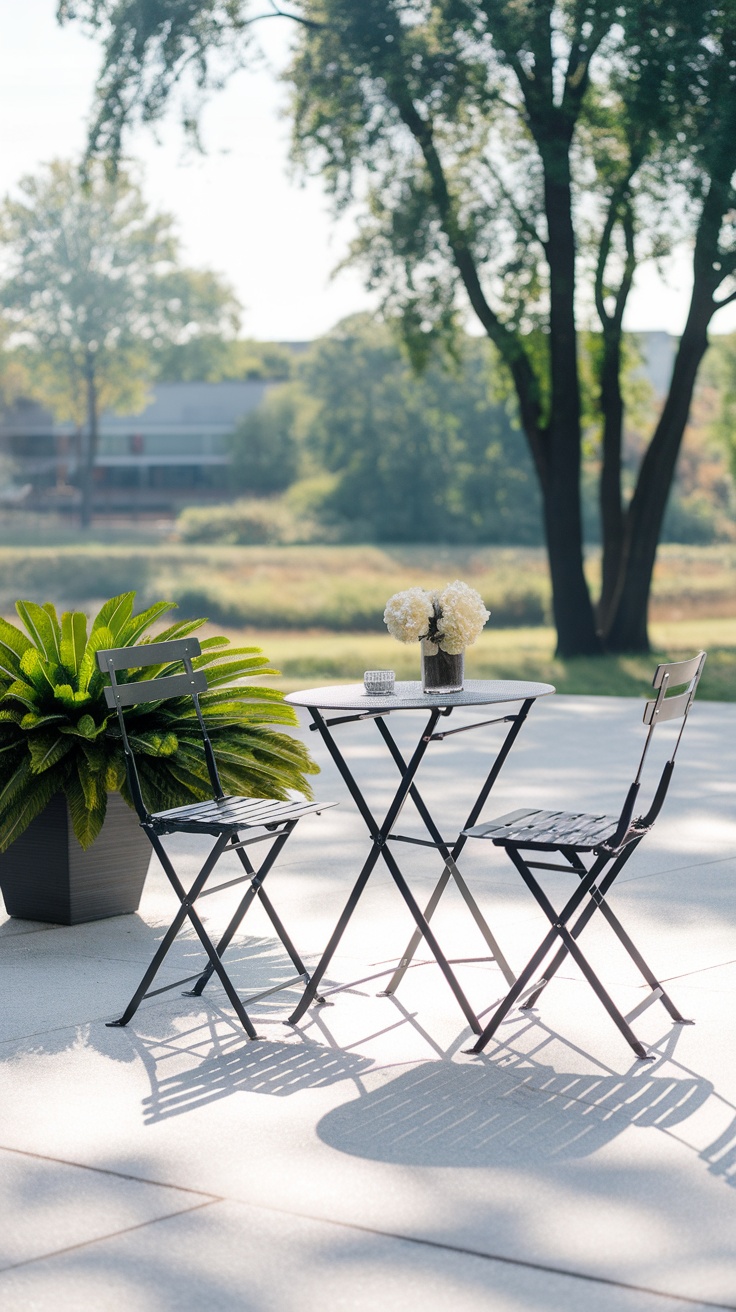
(235, 823)
(606, 842)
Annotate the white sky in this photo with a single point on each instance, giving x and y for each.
(238, 210)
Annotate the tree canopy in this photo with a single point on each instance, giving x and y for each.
(94, 289)
(517, 159)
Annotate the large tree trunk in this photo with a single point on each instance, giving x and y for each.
(89, 446)
(573, 610)
(628, 628)
(611, 508)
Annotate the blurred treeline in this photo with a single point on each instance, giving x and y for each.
(354, 445)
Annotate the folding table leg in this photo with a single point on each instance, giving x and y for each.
(451, 855)
(378, 835)
(310, 993)
(424, 929)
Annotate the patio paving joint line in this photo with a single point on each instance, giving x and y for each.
(210, 1199)
(119, 1175)
(520, 1262)
(114, 1234)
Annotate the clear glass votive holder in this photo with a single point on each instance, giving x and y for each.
(379, 683)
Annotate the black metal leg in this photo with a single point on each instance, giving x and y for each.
(310, 993)
(588, 886)
(638, 959)
(578, 868)
(426, 932)
(515, 992)
(380, 836)
(255, 890)
(451, 855)
(186, 900)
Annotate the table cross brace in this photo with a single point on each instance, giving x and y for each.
(381, 834)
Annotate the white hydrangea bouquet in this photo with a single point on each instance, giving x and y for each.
(445, 623)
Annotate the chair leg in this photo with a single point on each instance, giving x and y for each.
(558, 921)
(602, 995)
(186, 911)
(255, 890)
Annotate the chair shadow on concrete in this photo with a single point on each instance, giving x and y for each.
(183, 1079)
(443, 1114)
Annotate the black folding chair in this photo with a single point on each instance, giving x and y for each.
(609, 842)
(223, 817)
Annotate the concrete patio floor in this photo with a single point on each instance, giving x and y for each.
(362, 1160)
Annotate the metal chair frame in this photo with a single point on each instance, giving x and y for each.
(224, 817)
(611, 841)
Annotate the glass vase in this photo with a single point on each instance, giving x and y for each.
(441, 672)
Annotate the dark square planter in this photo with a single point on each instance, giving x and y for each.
(46, 875)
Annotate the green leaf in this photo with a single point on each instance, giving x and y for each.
(73, 639)
(43, 629)
(32, 720)
(87, 816)
(69, 697)
(113, 616)
(182, 629)
(50, 609)
(28, 801)
(39, 672)
(45, 750)
(85, 728)
(12, 645)
(138, 624)
(22, 692)
(100, 639)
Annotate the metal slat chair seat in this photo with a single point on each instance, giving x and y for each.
(547, 830)
(219, 815)
(609, 842)
(224, 817)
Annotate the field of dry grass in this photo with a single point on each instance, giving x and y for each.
(318, 611)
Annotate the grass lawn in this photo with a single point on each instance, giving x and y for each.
(318, 610)
(314, 658)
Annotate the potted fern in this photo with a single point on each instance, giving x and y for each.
(72, 849)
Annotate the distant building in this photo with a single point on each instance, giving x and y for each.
(176, 450)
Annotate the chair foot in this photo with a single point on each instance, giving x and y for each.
(682, 1021)
(115, 1024)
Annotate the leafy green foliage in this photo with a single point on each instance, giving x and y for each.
(94, 283)
(433, 457)
(58, 735)
(264, 446)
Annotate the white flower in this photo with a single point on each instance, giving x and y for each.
(463, 616)
(407, 614)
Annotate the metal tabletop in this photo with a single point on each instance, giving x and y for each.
(408, 695)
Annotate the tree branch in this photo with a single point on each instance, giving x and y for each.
(506, 339)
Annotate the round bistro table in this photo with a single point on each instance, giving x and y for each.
(347, 703)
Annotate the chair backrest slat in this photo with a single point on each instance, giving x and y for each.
(679, 671)
(190, 683)
(149, 653)
(671, 708)
(155, 690)
(671, 675)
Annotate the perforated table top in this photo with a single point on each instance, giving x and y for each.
(408, 696)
